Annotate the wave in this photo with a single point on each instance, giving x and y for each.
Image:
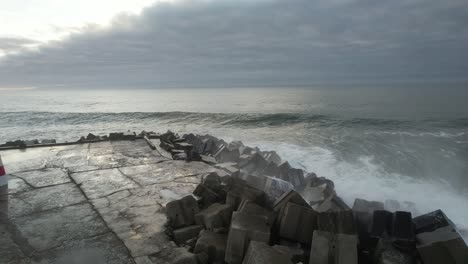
(232, 119)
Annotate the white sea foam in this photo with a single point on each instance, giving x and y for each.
(365, 179)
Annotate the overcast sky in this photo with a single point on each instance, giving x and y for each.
(145, 43)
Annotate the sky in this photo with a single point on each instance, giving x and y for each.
(184, 43)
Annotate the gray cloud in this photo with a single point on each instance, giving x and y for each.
(230, 43)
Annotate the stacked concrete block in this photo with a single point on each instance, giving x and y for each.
(271, 169)
(253, 164)
(224, 154)
(261, 253)
(238, 190)
(289, 197)
(331, 248)
(215, 217)
(271, 156)
(245, 228)
(213, 244)
(363, 213)
(184, 234)
(298, 223)
(182, 212)
(341, 222)
(438, 241)
(249, 207)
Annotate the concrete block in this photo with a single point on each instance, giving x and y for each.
(249, 207)
(261, 253)
(254, 164)
(48, 141)
(333, 248)
(182, 212)
(207, 195)
(271, 156)
(183, 234)
(271, 169)
(431, 221)
(298, 223)
(382, 224)
(403, 230)
(216, 216)
(391, 206)
(386, 253)
(238, 190)
(341, 222)
(443, 245)
(229, 167)
(182, 256)
(245, 228)
(363, 213)
(213, 244)
(208, 159)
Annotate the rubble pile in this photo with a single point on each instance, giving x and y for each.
(258, 209)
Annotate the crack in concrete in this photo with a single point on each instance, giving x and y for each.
(130, 178)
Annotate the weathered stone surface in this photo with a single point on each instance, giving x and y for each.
(216, 216)
(52, 228)
(208, 159)
(382, 224)
(182, 256)
(166, 171)
(183, 234)
(298, 223)
(333, 248)
(229, 167)
(102, 249)
(213, 244)
(44, 177)
(271, 169)
(182, 212)
(245, 228)
(208, 196)
(272, 156)
(227, 155)
(100, 183)
(341, 222)
(11, 253)
(48, 141)
(253, 164)
(46, 198)
(238, 190)
(16, 185)
(363, 213)
(386, 253)
(403, 230)
(261, 253)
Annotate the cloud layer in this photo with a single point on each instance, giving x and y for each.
(237, 43)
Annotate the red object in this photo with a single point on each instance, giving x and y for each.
(2, 171)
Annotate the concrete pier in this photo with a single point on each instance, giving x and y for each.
(92, 203)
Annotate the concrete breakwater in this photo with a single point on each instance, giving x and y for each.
(199, 199)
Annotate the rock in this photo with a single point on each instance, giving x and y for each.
(288, 197)
(253, 164)
(184, 146)
(180, 156)
(444, 245)
(229, 167)
(245, 228)
(363, 213)
(386, 253)
(261, 253)
(271, 156)
(182, 212)
(330, 248)
(431, 221)
(31, 142)
(216, 216)
(208, 196)
(238, 190)
(271, 169)
(91, 137)
(212, 181)
(403, 231)
(182, 256)
(183, 234)
(227, 155)
(248, 207)
(341, 222)
(382, 225)
(208, 159)
(48, 141)
(167, 146)
(213, 244)
(298, 223)
(168, 137)
(116, 136)
(296, 177)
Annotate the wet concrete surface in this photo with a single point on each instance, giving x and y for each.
(92, 203)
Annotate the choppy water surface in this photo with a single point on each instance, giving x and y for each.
(376, 143)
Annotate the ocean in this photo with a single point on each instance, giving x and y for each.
(407, 144)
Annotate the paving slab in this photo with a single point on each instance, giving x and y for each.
(166, 171)
(42, 199)
(102, 249)
(100, 183)
(10, 251)
(16, 185)
(44, 177)
(137, 216)
(50, 229)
